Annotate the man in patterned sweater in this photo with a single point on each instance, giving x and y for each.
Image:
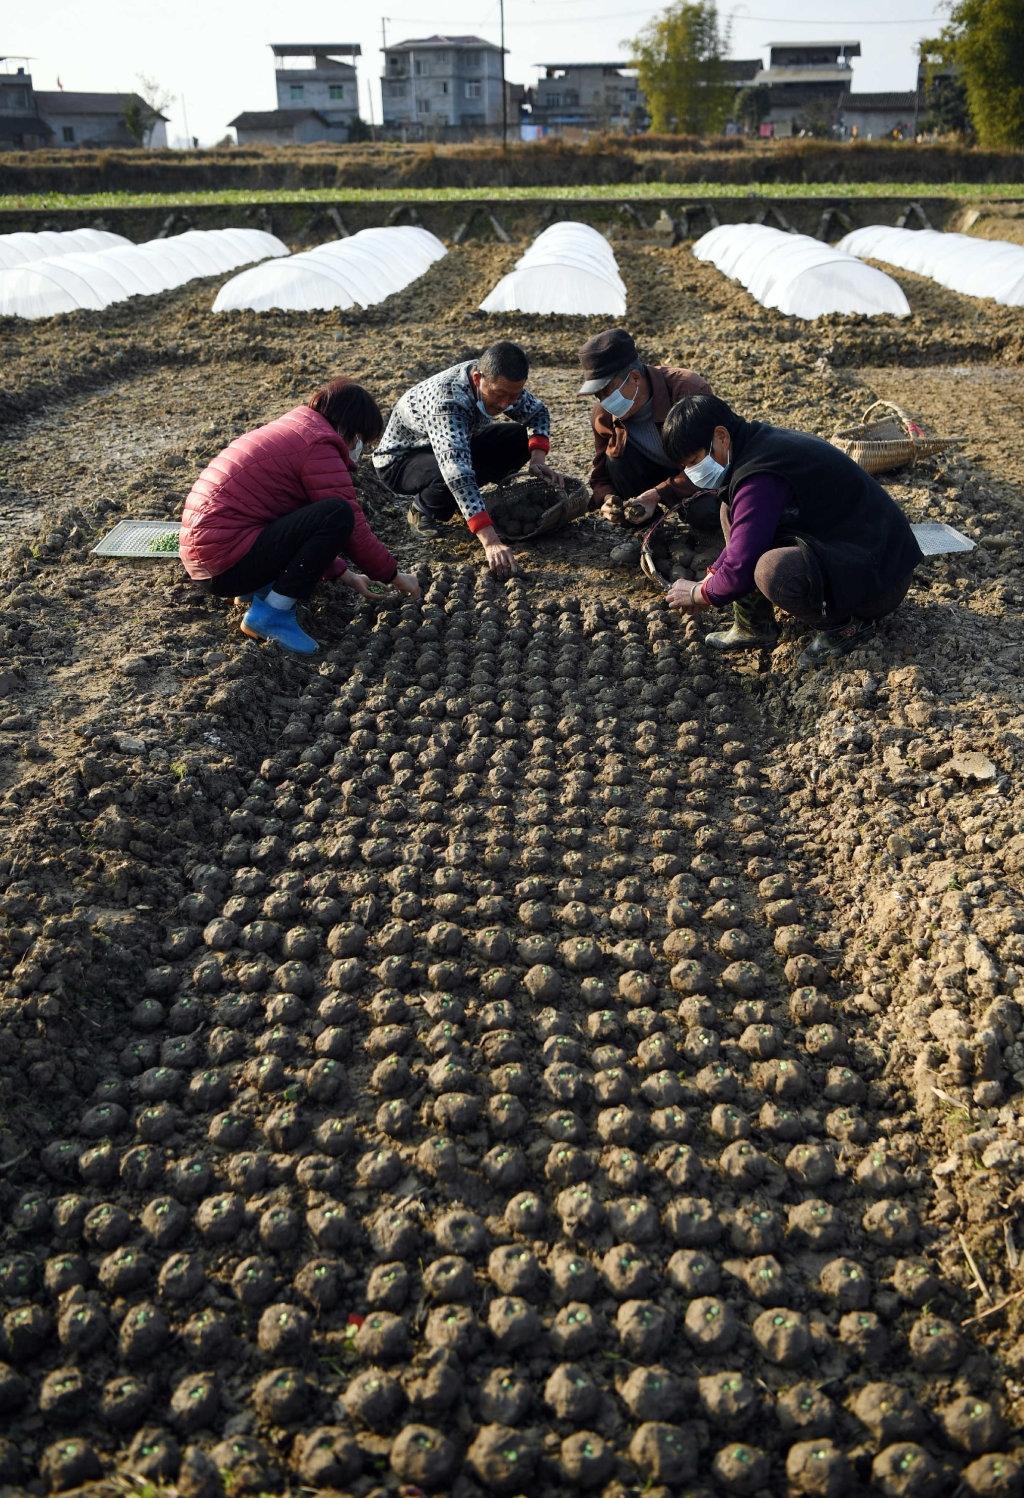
(442, 443)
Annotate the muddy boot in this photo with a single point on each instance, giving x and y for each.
(421, 524)
(753, 626)
(839, 640)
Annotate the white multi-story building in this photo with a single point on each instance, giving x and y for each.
(317, 96)
(437, 84)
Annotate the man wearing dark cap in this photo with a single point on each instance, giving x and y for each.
(631, 474)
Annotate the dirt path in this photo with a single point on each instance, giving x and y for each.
(518, 1052)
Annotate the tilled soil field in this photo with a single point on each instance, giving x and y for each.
(517, 1052)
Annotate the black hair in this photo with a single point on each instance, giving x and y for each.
(504, 361)
(691, 425)
(351, 410)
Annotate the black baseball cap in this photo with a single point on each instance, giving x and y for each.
(605, 355)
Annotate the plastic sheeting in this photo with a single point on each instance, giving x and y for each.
(569, 269)
(354, 272)
(798, 275)
(43, 288)
(49, 244)
(975, 267)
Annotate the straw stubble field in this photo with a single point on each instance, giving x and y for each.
(517, 1052)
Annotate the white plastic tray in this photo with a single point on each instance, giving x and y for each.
(935, 538)
(137, 538)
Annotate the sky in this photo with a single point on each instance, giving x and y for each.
(213, 55)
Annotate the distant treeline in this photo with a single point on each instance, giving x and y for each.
(555, 163)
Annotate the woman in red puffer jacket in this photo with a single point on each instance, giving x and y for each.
(273, 513)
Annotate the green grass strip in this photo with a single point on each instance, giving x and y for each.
(647, 191)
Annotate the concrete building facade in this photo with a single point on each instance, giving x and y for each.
(807, 81)
(317, 96)
(587, 96)
(31, 118)
(444, 85)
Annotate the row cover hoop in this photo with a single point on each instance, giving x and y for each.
(974, 267)
(569, 269)
(50, 244)
(43, 288)
(355, 272)
(797, 275)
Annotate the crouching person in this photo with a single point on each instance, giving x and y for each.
(444, 441)
(807, 531)
(631, 473)
(276, 512)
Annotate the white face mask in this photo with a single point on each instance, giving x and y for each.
(707, 474)
(355, 449)
(616, 404)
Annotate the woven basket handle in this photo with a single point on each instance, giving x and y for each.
(910, 426)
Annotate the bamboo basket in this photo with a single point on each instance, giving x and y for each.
(892, 441)
(570, 504)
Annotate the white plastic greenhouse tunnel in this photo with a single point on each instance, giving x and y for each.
(48, 244)
(798, 275)
(569, 269)
(974, 267)
(355, 272)
(42, 288)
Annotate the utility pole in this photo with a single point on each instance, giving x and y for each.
(504, 85)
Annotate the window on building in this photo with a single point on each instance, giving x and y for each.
(474, 89)
(397, 90)
(336, 90)
(68, 134)
(442, 57)
(422, 106)
(471, 59)
(444, 87)
(418, 67)
(16, 98)
(296, 90)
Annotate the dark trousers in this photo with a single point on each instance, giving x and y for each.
(634, 472)
(497, 450)
(291, 554)
(782, 578)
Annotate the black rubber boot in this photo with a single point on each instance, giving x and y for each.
(753, 626)
(421, 524)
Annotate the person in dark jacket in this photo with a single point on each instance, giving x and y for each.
(277, 511)
(631, 473)
(807, 531)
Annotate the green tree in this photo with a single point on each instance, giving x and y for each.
(984, 41)
(678, 57)
(943, 96)
(359, 130)
(751, 106)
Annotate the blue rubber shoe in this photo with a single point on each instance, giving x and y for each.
(263, 622)
(241, 600)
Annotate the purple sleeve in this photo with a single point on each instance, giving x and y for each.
(757, 508)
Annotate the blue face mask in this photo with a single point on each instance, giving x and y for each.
(481, 407)
(618, 405)
(707, 474)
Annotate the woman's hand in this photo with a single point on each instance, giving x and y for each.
(407, 584)
(687, 596)
(500, 558)
(356, 581)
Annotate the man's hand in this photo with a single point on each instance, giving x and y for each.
(687, 596)
(539, 468)
(356, 581)
(407, 584)
(642, 507)
(611, 510)
(500, 558)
